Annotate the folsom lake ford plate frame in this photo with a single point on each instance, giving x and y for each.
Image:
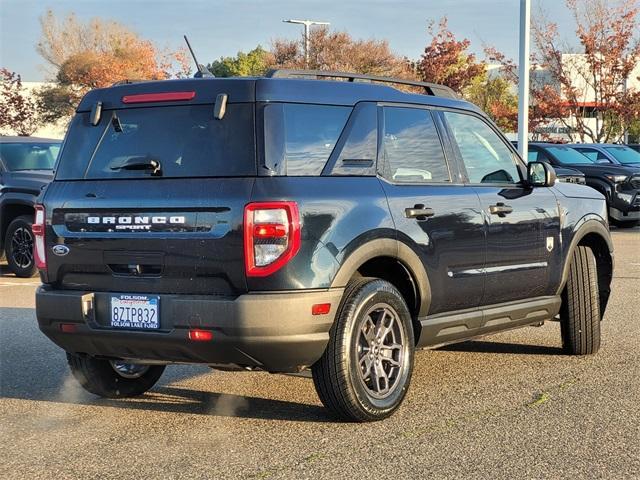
(135, 311)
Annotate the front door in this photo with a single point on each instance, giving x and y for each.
(522, 223)
(434, 213)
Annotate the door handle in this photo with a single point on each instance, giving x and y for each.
(500, 209)
(419, 212)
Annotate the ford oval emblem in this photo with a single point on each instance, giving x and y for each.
(60, 250)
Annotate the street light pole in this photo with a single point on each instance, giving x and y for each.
(307, 34)
(523, 79)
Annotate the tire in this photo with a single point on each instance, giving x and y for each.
(629, 224)
(580, 311)
(339, 376)
(101, 378)
(18, 246)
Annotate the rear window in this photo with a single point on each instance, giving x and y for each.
(299, 138)
(29, 156)
(186, 141)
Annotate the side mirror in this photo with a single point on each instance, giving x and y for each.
(540, 174)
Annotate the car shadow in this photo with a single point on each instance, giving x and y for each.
(33, 368)
(185, 400)
(4, 270)
(480, 346)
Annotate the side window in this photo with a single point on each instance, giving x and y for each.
(412, 149)
(486, 157)
(594, 155)
(357, 151)
(535, 155)
(301, 137)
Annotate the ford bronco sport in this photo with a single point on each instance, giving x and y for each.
(289, 223)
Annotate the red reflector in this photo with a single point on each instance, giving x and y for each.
(200, 335)
(320, 308)
(68, 327)
(39, 242)
(158, 97)
(270, 230)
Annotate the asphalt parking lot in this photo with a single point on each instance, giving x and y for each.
(506, 406)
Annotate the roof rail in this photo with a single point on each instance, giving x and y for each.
(128, 81)
(433, 89)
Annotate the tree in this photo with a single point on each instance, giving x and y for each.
(447, 61)
(252, 64)
(96, 54)
(539, 109)
(18, 111)
(494, 95)
(591, 83)
(334, 50)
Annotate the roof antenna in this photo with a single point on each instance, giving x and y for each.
(202, 70)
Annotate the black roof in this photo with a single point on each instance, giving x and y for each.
(262, 89)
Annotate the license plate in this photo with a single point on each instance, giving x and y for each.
(135, 311)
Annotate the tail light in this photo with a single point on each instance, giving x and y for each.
(271, 236)
(39, 244)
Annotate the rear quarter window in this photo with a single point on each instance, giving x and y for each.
(299, 138)
(187, 141)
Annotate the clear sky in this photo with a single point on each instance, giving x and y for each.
(223, 27)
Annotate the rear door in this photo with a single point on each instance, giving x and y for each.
(522, 223)
(434, 213)
(151, 200)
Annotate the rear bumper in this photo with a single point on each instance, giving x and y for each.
(272, 331)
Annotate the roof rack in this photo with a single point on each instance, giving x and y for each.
(128, 81)
(433, 89)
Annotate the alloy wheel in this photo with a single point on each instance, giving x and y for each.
(380, 351)
(22, 247)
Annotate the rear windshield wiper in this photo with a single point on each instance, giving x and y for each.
(140, 163)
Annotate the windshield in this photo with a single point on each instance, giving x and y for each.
(569, 156)
(183, 141)
(29, 156)
(624, 155)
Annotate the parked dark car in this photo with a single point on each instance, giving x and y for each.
(634, 146)
(287, 223)
(564, 174)
(26, 166)
(607, 153)
(620, 184)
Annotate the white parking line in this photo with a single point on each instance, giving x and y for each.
(29, 284)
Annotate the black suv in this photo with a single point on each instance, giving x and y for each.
(26, 166)
(620, 184)
(287, 223)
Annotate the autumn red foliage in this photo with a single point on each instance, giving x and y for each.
(18, 113)
(447, 60)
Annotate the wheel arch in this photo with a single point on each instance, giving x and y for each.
(595, 235)
(394, 262)
(9, 211)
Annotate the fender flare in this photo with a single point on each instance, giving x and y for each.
(387, 247)
(8, 200)
(586, 225)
